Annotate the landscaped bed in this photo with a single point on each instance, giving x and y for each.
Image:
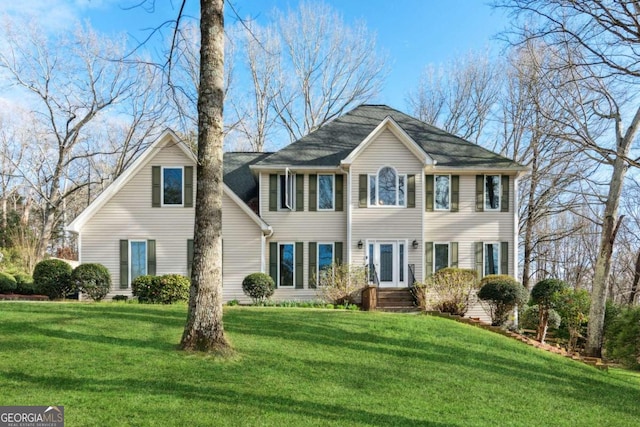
(117, 364)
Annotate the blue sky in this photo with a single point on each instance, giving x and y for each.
(414, 33)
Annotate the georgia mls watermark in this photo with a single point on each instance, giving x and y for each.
(31, 416)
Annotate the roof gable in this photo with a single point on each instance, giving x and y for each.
(389, 124)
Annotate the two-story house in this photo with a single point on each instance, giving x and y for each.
(373, 187)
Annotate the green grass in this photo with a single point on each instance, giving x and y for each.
(116, 364)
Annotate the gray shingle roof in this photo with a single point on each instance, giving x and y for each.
(239, 177)
(333, 142)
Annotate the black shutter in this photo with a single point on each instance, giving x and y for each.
(155, 186)
(454, 254)
(273, 262)
(273, 192)
(480, 193)
(151, 257)
(504, 202)
(299, 265)
(313, 274)
(411, 191)
(428, 258)
(124, 264)
(313, 192)
(299, 192)
(479, 253)
(428, 193)
(189, 257)
(337, 256)
(188, 186)
(339, 202)
(504, 258)
(362, 191)
(455, 193)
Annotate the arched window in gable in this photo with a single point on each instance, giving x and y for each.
(387, 188)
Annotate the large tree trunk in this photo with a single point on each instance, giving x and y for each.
(595, 329)
(204, 330)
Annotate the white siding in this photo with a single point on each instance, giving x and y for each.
(128, 215)
(468, 226)
(303, 226)
(387, 222)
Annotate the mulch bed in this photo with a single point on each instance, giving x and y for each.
(17, 297)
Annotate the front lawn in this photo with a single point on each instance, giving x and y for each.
(115, 364)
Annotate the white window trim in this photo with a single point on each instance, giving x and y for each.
(146, 264)
(293, 245)
(484, 194)
(289, 204)
(171, 205)
(333, 192)
(333, 255)
(397, 205)
(484, 257)
(433, 266)
(435, 192)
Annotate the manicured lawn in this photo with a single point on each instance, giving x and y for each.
(116, 364)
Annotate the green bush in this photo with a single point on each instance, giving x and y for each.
(543, 294)
(165, 289)
(93, 280)
(258, 286)
(52, 278)
(531, 316)
(143, 288)
(25, 284)
(449, 290)
(500, 294)
(173, 288)
(8, 284)
(623, 338)
(119, 298)
(573, 307)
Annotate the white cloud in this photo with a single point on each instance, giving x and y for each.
(53, 15)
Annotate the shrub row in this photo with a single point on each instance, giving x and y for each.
(165, 289)
(56, 279)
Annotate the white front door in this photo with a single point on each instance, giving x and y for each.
(387, 261)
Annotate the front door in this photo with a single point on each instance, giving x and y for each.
(387, 263)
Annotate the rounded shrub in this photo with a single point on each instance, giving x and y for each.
(92, 279)
(165, 289)
(501, 293)
(531, 316)
(25, 284)
(543, 291)
(173, 288)
(143, 288)
(53, 278)
(258, 286)
(8, 284)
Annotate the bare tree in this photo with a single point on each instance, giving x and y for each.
(599, 44)
(204, 329)
(458, 97)
(327, 67)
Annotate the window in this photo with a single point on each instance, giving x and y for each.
(326, 191)
(137, 258)
(286, 264)
(325, 257)
(492, 192)
(442, 191)
(387, 188)
(441, 256)
(172, 186)
(491, 258)
(286, 190)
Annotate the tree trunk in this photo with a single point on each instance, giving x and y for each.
(543, 323)
(595, 329)
(636, 279)
(204, 330)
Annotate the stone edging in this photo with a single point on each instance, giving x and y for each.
(596, 362)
